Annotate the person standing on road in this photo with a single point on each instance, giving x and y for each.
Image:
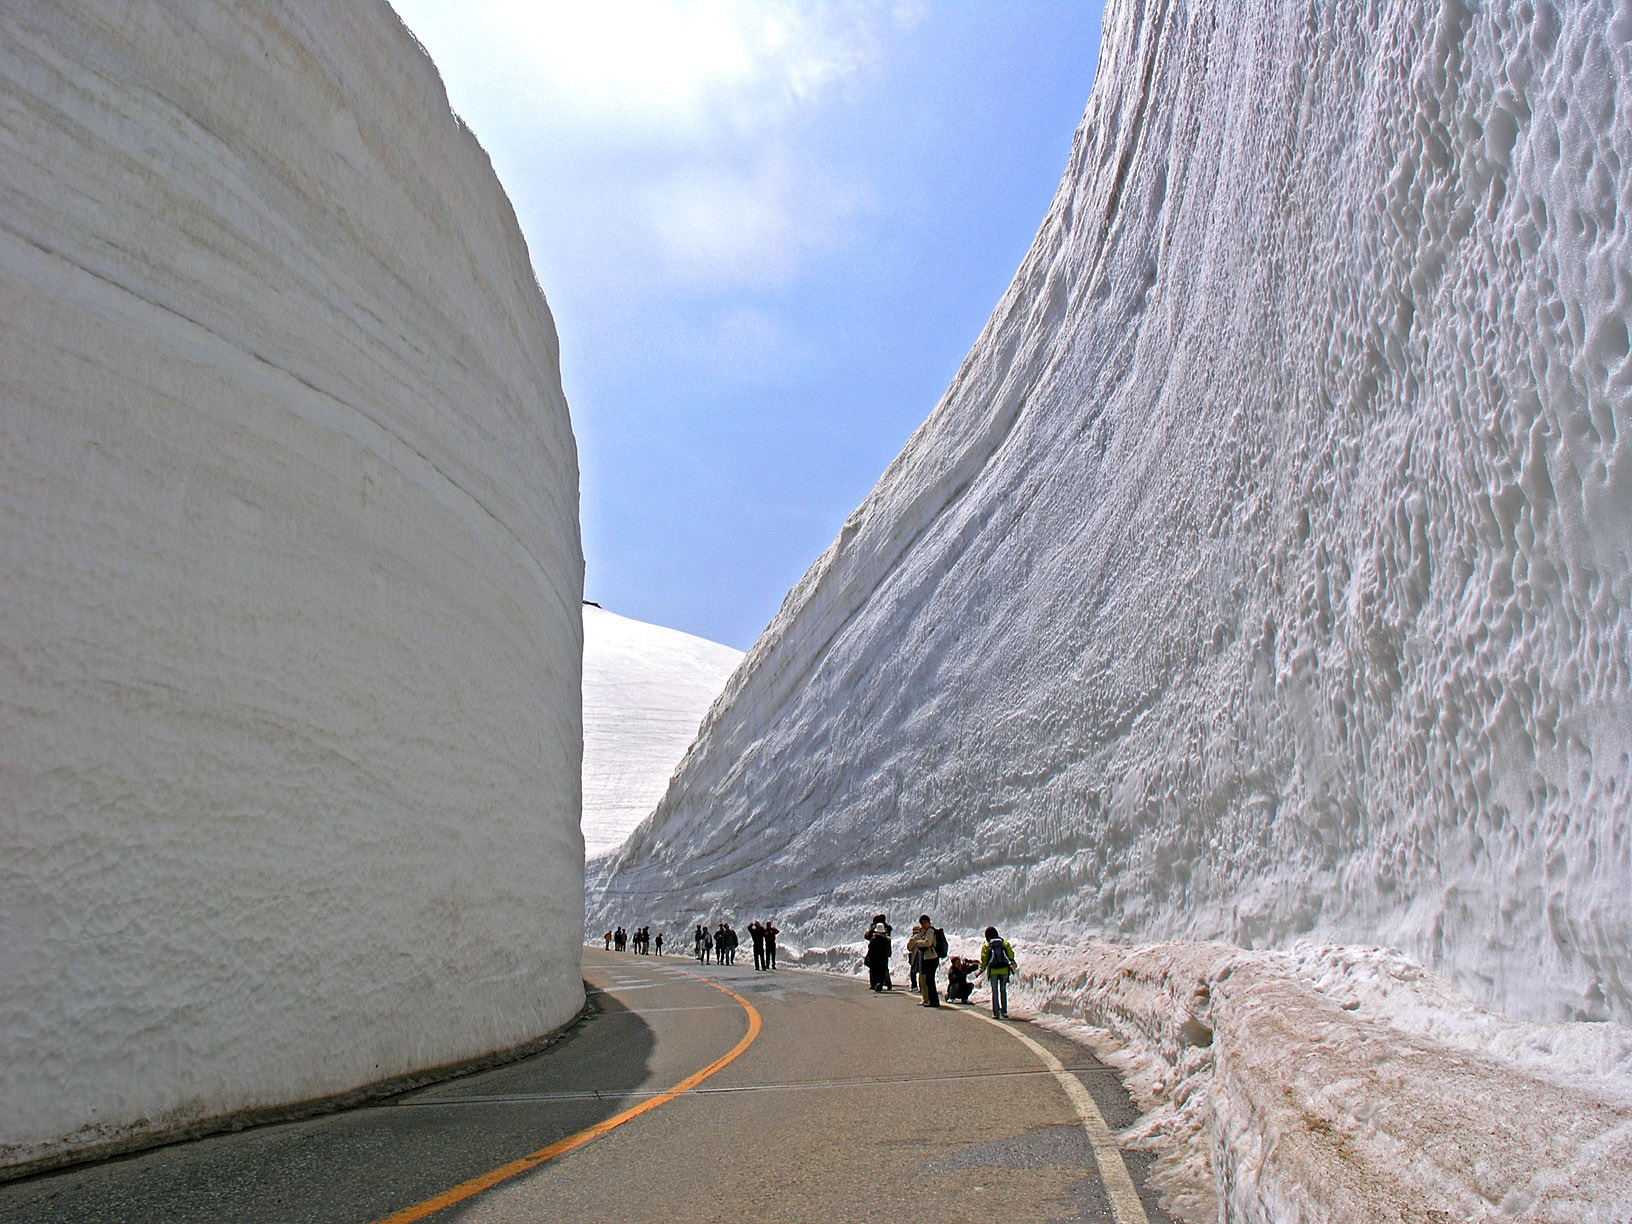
(708, 943)
(925, 941)
(697, 941)
(997, 963)
(660, 943)
(771, 931)
(877, 959)
(757, 933)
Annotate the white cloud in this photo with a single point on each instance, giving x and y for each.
(644, 69)
(755, 224)
(663, 138)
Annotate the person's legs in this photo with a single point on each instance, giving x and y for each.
(999, 987)
(932, 996)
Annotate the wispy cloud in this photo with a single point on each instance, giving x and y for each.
(666, 134)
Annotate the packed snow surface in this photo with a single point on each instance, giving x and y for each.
(646, 689)
(290, 641)
(1266, 571)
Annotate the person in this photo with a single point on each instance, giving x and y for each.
(771, 931)
(708, 944)
(620, 939)
(757, 934)
(997, 963)
(608, 941)
(958, 986)
(660, 943)
(697, 938)
(877, 959)
(925, 940)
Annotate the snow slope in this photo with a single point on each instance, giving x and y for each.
(289, 642)
(646, 689)
(1266, 570)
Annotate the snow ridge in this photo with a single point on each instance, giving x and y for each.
(1264, 573)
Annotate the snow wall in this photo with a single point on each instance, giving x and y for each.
(290, 641)
(646, 689)
(1266, 571)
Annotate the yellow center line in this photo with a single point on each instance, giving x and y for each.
(561, 1147)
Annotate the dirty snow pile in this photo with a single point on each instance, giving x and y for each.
(289, 640)
(1346, 1084)
(1265, 574)
(646, 689)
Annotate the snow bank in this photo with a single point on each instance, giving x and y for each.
(1265, 571)
(289, 642)
(646, 689)
(1347, 1084)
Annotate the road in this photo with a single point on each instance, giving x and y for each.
(809, 1098)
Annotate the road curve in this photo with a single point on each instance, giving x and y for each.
(844, 1105)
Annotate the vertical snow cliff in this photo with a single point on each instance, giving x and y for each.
(1267, 569)
(289, 638)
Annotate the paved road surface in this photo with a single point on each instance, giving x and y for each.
(845, 1106)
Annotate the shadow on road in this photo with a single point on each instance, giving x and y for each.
(362, 1164)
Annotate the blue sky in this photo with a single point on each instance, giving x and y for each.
(769, 231)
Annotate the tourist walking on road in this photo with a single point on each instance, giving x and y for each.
(771, 932)
(697, 940)
(926, 941)
(997, 963)
(877, 959)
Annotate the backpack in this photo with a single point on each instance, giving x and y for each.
(941, 947)
(997, 956)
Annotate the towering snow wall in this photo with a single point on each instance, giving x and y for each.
(646, 689)
(289, 631)
(1266, 571)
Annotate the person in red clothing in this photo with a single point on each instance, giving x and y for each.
(770, 930)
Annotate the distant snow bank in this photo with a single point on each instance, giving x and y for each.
(646, 690)
(289, 629)
(1339, 1085)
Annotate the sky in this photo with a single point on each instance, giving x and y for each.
(768, 231)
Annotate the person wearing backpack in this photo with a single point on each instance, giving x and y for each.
(997, 963)
(929, 942)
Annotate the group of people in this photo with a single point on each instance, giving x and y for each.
(722, 942)
(641, 941)
(926, 948)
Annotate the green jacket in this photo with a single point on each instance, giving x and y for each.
(986, 959)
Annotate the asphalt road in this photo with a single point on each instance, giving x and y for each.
(845, 1105)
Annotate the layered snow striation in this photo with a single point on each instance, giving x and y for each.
(646, 690)
(1266, 570)
(290, 641)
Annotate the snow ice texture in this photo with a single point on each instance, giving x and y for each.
(646, 689)
(1266, 571)
(290, 641)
